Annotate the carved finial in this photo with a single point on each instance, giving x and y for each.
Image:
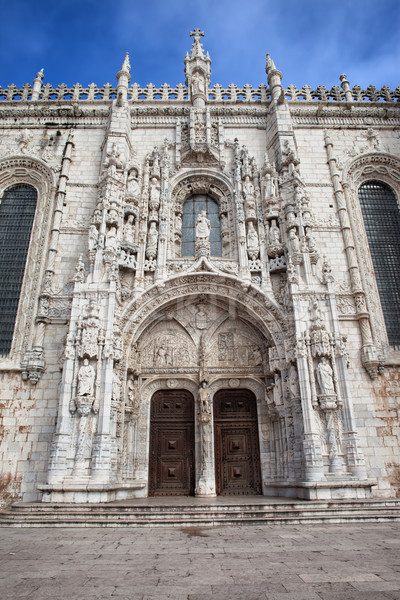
(270, 66)
(40, 74)
(274, 80)
(196, 33)
(126, 65)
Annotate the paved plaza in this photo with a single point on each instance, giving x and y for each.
(328, 562)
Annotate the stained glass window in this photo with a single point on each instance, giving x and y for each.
(382, 223)
(191, 208)
(17, 210)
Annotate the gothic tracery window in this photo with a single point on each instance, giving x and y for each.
(191, 208)
(17, 211)
(381, 216)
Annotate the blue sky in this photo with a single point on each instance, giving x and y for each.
(311, 41)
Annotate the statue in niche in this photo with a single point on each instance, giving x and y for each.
(93, 238)
(86, 377)
(116, 387)
(152, 239)
(202, 226)
(293, 243)
(324, 376)
(248, 188)
(204, 394)
(111, 239)
(198, 84)
(252, 241)
(129, 229)
(133, 396)
(311, 242)
(274, 234)
(154, 193)
(133, 184)
(292, 381)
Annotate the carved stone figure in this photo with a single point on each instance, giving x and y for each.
(86, 376)
(116, 387)
(154, 194)
(93, 238)
(198, 84)
(79, 271)
(274, 234)
(324, 376)
(252, 241)
(111, 239)
(204, 394)
(293, 242)
(129, 229)
(152, 239)
(133, 397)
(293, 382)
(133, 184)
(202, 226)
(248, 188)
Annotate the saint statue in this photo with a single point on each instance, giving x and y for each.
(293, 243)
(93, 237)
(86, 377)
(129, 230)
(324, 375)
(252, 237)
(111, 239)
(202, 226)
(274, 237)
(204, 394)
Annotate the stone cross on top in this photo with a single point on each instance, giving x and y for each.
(196, 33)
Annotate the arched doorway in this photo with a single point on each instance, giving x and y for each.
(237, 450)
(171, 460)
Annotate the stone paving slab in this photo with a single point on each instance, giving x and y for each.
(319, 562)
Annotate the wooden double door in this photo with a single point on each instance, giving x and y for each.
(171, 465)
(236, 445)
(172, 448)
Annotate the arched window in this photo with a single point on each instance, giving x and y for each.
(191, 208)
(17, 210)
(382, 223)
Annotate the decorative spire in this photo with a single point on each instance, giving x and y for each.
(126, 65)
(274, 79)
(123, 77)
(197, 47)
(197, 70)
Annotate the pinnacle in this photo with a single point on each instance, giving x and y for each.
(270, 66)
(126, 66)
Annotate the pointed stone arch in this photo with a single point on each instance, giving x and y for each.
(219, 188)
(377, 166)
(35, 173)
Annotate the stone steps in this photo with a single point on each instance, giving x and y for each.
(199, 515)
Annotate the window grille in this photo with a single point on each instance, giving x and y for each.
(17, 210)
(382, 223)
(191, 208)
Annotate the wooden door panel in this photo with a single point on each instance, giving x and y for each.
(236, 443)
(171, 464)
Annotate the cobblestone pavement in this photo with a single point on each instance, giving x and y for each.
(328, 562)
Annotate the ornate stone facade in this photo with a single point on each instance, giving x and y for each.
(278, 298)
